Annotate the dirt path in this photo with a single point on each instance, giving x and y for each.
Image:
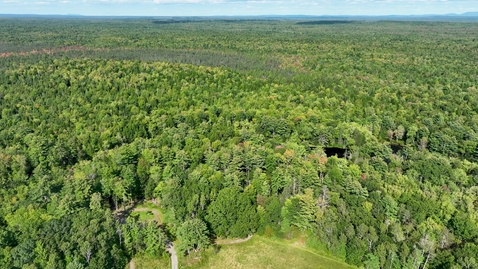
(174, 256)
(131, 264)
(235, 241)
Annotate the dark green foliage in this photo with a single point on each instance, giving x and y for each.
(463, 226)
(443, 260)
(233, 214)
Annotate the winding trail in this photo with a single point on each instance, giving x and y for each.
(174, 256)
(235, 241)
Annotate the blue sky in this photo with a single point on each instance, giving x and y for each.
(236, 7)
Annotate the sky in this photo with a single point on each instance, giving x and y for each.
(236, 7)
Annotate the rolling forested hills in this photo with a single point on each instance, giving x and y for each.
(359, 138)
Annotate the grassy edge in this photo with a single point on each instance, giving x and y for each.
(189, 262)
(305, 248)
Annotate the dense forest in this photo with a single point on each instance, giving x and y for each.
(361, 137)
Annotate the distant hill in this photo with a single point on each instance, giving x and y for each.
(470, 14)
(40, 16)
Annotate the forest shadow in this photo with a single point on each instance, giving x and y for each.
(339, 152)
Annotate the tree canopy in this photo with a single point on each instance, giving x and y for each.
(231, 134)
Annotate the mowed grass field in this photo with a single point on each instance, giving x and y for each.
(262, 252)
(146, 262)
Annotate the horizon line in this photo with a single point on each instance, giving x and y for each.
(473, 13)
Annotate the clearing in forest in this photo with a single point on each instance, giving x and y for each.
(261, 252)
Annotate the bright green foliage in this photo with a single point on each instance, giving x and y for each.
(143, 238)
(371, 262)
(192, 235)
(300, 210)
(75, 264)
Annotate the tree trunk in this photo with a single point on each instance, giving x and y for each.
(88, 256)
(294, 186)
(391, 260)
(426, 261)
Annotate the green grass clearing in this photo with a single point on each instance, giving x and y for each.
(147, 211)
(143, 216)
(147, 262)
(262, 252)
(147, 204)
